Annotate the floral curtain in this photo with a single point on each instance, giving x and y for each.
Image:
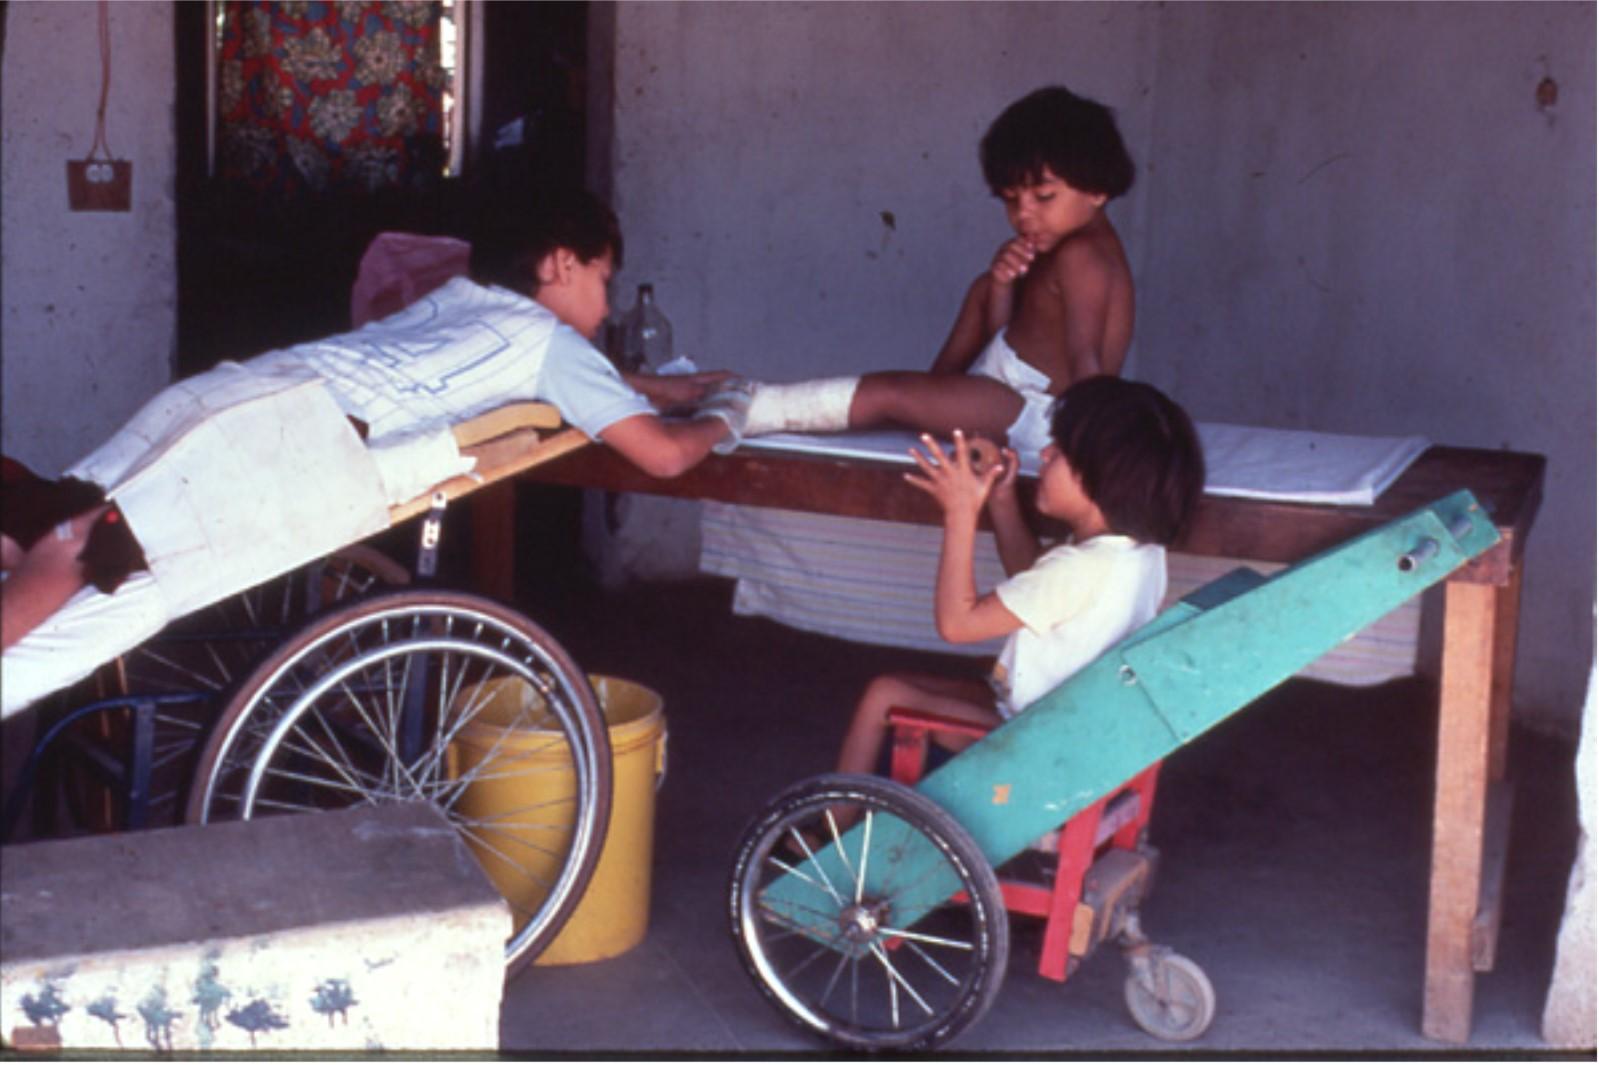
(324, 96)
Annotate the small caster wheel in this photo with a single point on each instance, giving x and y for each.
(1169, 996)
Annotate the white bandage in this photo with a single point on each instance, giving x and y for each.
(820, 406)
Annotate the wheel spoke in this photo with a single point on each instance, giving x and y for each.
(844, 961)
(932, 963)
(825, 882)
(866, 850)
(922, 937)
(342, 784)
(898, 979)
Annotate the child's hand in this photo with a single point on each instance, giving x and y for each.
(951, 479)
(679, 390)
(1013, 260)
(1004, 491)
(59, 548)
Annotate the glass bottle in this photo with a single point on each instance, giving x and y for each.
(646, 334)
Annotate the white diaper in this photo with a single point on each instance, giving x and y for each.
(1029, 433)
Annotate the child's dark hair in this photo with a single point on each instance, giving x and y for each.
(510, 243)
(1073, 136)
(1136, 452)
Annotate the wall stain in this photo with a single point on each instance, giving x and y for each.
(890, 226)
(1324, 164)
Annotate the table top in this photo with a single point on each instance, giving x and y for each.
(1509, 484)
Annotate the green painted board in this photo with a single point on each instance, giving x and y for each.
(1189, 669)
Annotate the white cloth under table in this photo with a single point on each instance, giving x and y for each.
(872, 581)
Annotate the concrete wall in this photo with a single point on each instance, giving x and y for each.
(1363, 212)
(89, 297)
(1353, 218)
(1349, 217)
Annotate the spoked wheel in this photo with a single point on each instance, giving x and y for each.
(435, 696)
(891, 935)
(197, 659)
(1169, 996)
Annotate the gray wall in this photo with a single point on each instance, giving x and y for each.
(1350, 218)
(90, 318)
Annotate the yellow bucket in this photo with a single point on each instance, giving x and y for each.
(614, 911)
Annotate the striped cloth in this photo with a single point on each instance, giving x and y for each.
(872, 582)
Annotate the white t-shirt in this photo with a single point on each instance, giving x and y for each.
(1074, 602)
(247, 470)
(458, 352)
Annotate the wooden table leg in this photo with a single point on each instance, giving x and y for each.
(1507, 612)
(494, 540)
(1465, 725)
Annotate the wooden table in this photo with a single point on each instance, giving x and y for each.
(1481, 606)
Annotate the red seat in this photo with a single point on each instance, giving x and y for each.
(1117, 821)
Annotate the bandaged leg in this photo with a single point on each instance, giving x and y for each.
(820, 406)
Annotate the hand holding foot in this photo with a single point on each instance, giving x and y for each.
(730, 405)
(959, 487)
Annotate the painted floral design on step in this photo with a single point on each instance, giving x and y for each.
(210, 995)
(334, 997)
(258, 1016)
(48, 1007)
(105, 1009)
(158, 1018)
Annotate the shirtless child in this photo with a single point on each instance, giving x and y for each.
(1055, 305)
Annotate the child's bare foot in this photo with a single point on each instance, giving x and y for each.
(985, 453)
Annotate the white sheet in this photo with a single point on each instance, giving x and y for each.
(232, 477)
(88, 630)
(1302, 466)
(1247, 461)
(872, 582)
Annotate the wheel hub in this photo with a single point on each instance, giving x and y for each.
(862, 921)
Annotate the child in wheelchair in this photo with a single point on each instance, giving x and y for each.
(1123, 473)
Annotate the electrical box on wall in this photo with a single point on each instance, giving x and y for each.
(99, 184)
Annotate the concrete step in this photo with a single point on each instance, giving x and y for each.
(366, 929)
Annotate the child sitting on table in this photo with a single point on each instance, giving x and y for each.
(1054, 306)
(228, 478)
(1123, 473)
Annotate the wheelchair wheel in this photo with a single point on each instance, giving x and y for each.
(1170, 997)
(435, 696)
(832, 953)
(211, 649)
